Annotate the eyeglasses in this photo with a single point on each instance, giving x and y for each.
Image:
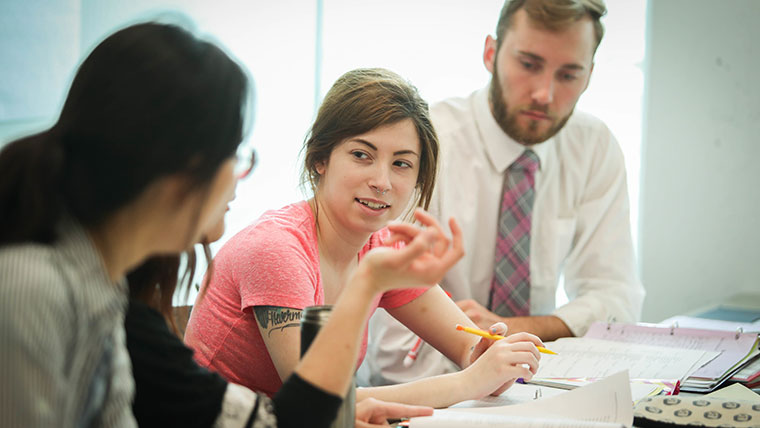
(245, 161)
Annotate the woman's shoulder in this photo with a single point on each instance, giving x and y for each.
(25, 267)
(33, 287)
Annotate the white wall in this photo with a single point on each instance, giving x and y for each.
(700, 199)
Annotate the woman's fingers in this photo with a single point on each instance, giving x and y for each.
(427, 254)
(371, 412)
(457, 249)
(524, 337)
(498, 328)
(429, 221)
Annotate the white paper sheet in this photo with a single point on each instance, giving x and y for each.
(605, 403)
(517, 394)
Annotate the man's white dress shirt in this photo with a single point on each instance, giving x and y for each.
(580, 228)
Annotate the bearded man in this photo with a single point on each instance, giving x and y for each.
(539, 190)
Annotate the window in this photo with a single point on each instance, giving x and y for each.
(296, 49)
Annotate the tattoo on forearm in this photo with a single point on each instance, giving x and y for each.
(275, 318)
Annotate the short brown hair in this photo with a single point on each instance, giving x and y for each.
(554, 15)
(360, 101)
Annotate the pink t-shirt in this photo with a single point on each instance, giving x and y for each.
(273, 262)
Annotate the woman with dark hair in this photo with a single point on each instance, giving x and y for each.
(142, 162)
(371, 154)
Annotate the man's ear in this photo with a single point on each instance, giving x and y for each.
(489, 53)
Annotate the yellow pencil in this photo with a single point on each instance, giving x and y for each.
(488, 335)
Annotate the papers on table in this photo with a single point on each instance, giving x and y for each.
(605, 403)
(516, 394)
(736, 392)
(640, 388)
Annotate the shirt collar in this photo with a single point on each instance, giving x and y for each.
(500, 148)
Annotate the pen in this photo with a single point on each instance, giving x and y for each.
(412, 354)
(488, 335)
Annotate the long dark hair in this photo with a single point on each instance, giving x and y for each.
(149, 101)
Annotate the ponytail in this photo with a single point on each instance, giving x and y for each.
(30, 196)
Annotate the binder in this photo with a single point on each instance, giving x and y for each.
(749, 374)
(736, 348)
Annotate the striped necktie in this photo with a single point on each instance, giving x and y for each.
(510, 287)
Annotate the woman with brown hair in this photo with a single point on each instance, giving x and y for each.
(371, 155)
(172, 390)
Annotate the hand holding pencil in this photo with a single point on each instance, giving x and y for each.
(502, 359)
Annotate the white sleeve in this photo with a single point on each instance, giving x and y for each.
(389, 343)
(600, 272)
(237, 405)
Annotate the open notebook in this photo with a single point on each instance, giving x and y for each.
(700, 359)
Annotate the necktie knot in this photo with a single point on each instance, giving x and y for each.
(528, 161)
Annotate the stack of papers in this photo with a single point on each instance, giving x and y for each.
(734, 348)
(749, 375)
(640, 388)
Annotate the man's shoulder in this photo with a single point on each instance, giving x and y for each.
(587, 144)
(585, 133)
(453, 115)
(581, 121)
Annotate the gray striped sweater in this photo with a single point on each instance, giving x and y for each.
(63, 359)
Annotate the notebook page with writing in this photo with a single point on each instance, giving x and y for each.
(585, 357)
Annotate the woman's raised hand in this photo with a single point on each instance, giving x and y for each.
(422, 262)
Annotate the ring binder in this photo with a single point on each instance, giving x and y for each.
(673, 327)
(739, 332)
(610, 320)
(733, 353)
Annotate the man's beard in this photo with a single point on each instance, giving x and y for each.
(508, 120)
